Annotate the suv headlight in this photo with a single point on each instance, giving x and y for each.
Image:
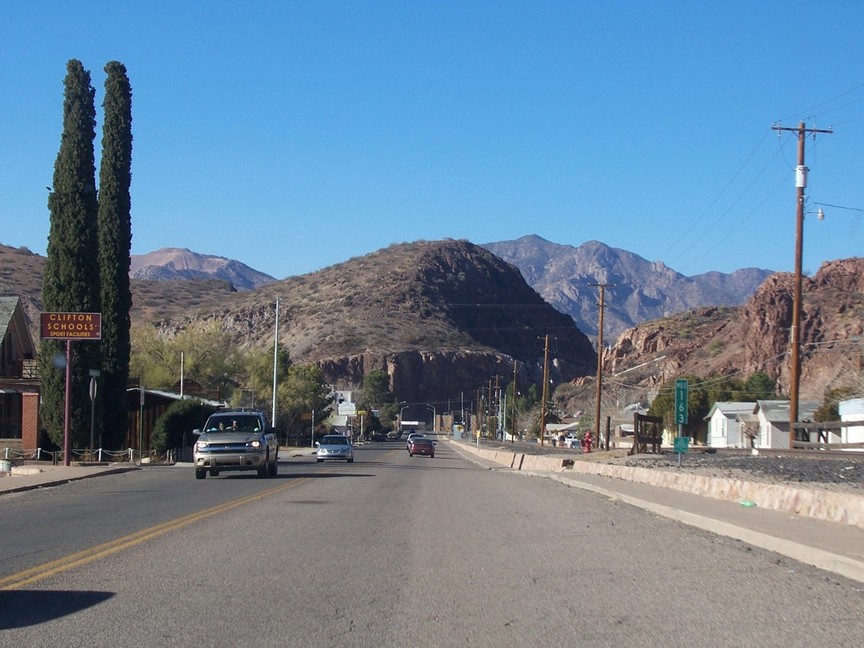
(201, 445)
(254, 444)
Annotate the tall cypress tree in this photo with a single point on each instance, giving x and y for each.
(71, 279)
(115, 242)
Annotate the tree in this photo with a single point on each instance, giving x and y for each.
(697, 407)
(759, 386)
(71, 278)
(301, 392)
(829, 410)
(258, 376)
(174, 428)
(209, 357)
(375, 390)
(115, 243)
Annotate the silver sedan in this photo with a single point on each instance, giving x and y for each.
(335, 447)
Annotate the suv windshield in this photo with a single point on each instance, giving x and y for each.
(237, 423)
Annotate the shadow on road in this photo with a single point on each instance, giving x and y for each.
(22, 608)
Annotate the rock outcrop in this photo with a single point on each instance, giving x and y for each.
(756, 336)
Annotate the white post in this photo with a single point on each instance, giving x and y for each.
(182, 361)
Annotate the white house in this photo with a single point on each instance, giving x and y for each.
(726, 422)
(852, 410)
(773, 419)
(344, 410)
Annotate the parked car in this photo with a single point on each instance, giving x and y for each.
(413, 435)
(335, 447)
(422, 446)
(394, 435)
(236, 440)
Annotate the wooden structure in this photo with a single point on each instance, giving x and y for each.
(647, 431)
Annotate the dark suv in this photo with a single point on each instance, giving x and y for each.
(238, 439)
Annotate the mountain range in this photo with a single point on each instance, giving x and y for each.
(565, 276)
(636, 290)
(441, 317)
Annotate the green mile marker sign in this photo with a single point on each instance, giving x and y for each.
(681, 401)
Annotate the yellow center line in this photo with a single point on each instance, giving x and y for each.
(41, 572)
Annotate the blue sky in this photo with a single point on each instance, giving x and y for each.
(294, 135)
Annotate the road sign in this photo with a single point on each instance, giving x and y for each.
(70, 326)
(681, 444)
(681, 401)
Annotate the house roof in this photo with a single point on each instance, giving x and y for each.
(12, 315)
(732, 409)
(562, 427)
(777, 411)
(175, 396)
(7, 309)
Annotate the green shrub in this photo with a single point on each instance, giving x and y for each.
(175, 426)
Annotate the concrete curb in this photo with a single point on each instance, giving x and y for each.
(67, 475)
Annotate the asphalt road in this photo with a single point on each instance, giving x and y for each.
(389, 551)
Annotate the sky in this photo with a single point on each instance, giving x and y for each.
(293, 135)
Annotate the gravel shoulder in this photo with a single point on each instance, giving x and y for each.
(830, 473)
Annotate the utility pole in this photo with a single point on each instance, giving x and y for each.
(545, 388)
(795, 360)
(513, 416)
(602, 305)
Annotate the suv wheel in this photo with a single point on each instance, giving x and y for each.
(273, 469)
(200, 474)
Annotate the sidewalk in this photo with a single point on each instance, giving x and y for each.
(29, 477)
(832, 546)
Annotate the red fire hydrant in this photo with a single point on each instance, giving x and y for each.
(586, 442)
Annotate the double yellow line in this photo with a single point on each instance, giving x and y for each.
(87, 556)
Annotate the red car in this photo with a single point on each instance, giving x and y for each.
(421, 446)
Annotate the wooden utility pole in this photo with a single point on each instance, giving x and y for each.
(795, 358)
(602, 305)
(545, 391)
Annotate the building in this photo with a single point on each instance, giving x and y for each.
(729, 424)
(19, 381)
(772, 418)
(852, 411)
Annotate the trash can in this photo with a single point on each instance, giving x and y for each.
(5, 465)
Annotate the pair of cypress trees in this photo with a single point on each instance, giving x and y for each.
(88, 259)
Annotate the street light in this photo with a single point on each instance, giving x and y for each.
(434, 417)
(400, 413)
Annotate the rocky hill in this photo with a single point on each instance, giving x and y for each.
(755, 337)
(638, 290)
(440, 317)
(180, 263)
